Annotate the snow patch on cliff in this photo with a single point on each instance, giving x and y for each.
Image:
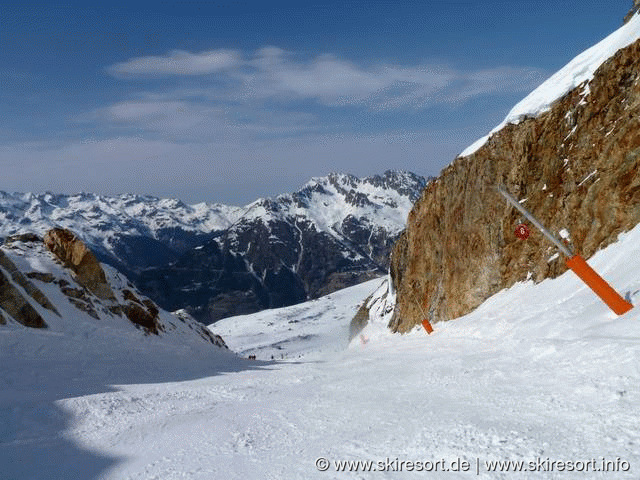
(578, 71)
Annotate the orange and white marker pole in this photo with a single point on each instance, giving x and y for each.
(425, 322)
(576, 263)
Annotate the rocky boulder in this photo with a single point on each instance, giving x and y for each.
(12, 300)
(74, 254)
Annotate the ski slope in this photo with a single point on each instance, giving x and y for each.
(307, 330)
(539, 373)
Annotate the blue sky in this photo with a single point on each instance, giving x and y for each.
(227, 101)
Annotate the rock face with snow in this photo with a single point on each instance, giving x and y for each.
(633, 11)
(13, 302)
(572, 161)
(57, 283)
(74, 254)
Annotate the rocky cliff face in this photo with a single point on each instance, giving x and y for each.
(12, 300)
(575, 166)
(74, 254)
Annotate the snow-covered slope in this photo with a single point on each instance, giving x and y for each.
(575, 73)
(539, 374)
(307, 330)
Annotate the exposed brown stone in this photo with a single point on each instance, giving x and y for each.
(24, 238)
(12, 302)
(217, 340)
(75, 255)
(141, 312)
(43, 277)
(140, 316)
(28, 287)
(128, 295)
(151, 307)
(84, 306)
(74, 292)
(459, 247)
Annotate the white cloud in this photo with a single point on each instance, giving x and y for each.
(134, 111)
(271, 73)
(164, 116)
(202, 121)
(230, 170)
(177, 62)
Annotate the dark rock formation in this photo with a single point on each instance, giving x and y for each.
(576, 166)
(23, 238)
(43, 277)
(25, 284)
(15, 305)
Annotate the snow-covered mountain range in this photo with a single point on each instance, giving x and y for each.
(109, 224)
(216, 260)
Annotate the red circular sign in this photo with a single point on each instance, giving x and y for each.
(522, 231)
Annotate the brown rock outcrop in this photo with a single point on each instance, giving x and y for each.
(74, 254)
(13, 302)
(25, 284)
(577, 166)
(141, 312)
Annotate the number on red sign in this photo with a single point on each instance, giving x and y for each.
(522, 231)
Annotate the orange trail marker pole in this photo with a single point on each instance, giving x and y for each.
(576, 263)
(601, 288)
(425, 322)
(427, 326)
